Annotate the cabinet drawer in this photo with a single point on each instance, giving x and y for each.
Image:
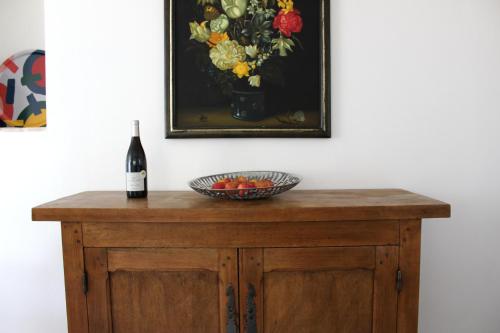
(235, 235)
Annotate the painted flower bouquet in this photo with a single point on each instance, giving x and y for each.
(244, 38)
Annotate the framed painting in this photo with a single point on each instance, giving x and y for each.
(247, 68)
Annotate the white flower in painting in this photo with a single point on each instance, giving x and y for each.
(254, 81)
(234, 8)
(252, 51)
(220, 24)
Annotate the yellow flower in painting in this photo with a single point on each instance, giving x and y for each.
(241, 69)
(216, 38)
(286, 5)
(199, 32)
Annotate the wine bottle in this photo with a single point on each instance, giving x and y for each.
(136, 167)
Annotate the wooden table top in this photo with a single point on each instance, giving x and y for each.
(292, 206)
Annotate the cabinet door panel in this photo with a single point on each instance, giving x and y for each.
(324, 301)
(164, 302)
(317, 290)
(160, 290)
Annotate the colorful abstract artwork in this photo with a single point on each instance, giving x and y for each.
(22, 90)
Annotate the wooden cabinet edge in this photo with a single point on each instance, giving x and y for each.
(409, 266)
(74, 272)
(304, 215)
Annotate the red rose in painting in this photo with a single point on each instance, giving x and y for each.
(288, 22)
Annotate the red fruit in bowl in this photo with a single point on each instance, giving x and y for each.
(242, 180)
(264, 183)
(226, 180)
(269, 183)
(218, 186)
(261, 184)
(243, 187)
(231, 186)
(246, 186)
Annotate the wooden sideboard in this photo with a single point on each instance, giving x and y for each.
(303, 262)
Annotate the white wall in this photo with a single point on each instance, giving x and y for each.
(31, 294)
(416, 105)
(21, 26)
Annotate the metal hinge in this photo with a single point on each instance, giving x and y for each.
(231, 326)
(251, 321)
(85, 283)
(399, 280)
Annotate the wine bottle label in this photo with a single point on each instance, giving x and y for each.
(135, 181)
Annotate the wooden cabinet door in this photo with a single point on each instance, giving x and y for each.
(318, 290)
(162, 290)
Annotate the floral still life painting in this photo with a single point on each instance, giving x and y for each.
(247, 68)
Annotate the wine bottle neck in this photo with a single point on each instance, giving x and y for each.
(135, 129)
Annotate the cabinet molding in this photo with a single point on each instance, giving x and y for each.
(163, 259)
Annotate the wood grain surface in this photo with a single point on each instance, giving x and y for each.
(318, 301)
(76, 302)
(98, 295)
(385, 296)
(167, 302)
(251, 264)
(409, 263)
(299, 259)
(234, 235)
(163, 259)
(315, 290)
(182, 207)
